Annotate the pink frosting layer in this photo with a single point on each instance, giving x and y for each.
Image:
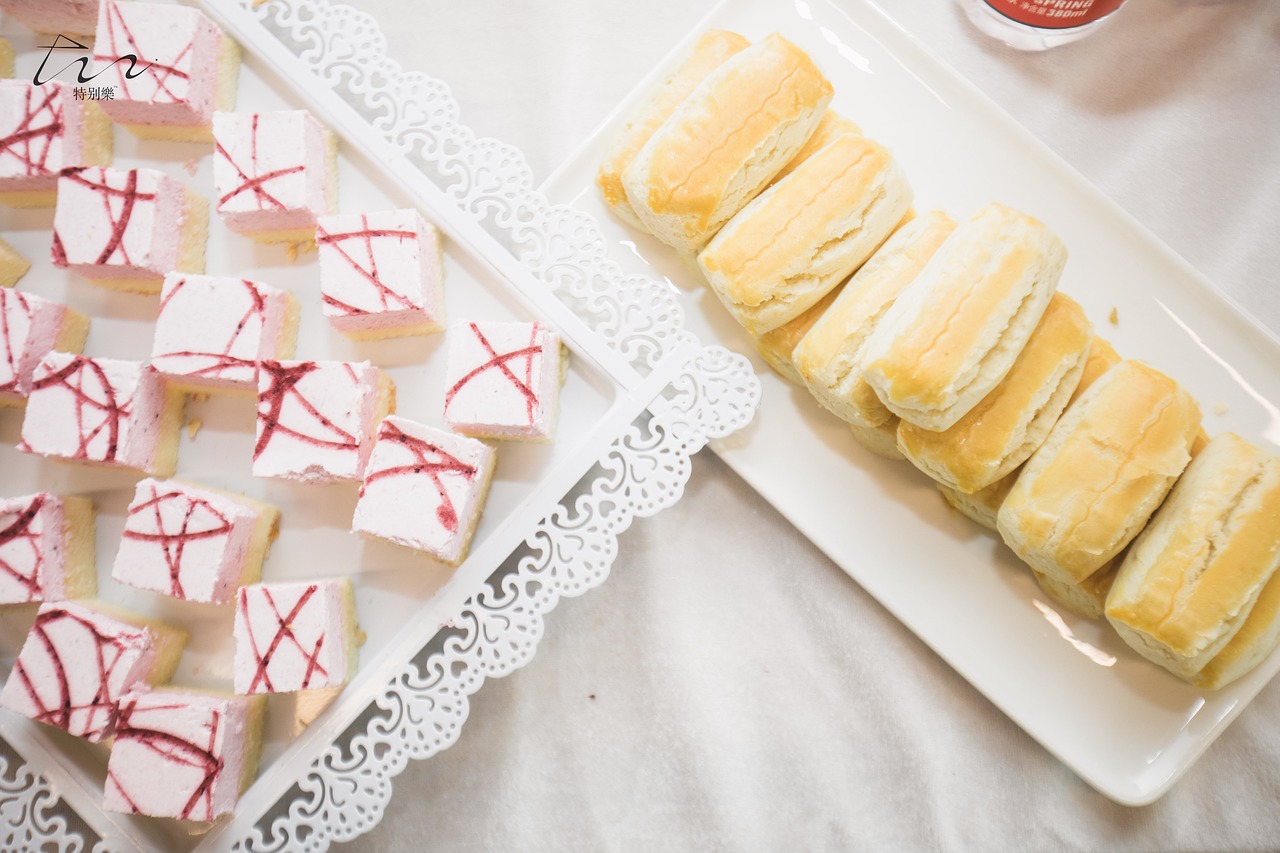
(380, 271)
(271, 170)
(291, 636)
(316, 419)
(118, 223)
(177, 754)
(104, 411)
(75, 665)
(178, 46)
(70, 17)
(213, 330)
(184, 541)
(33, 549)
(41, 133)
(29, 329)
(423, 488)
(504, 379)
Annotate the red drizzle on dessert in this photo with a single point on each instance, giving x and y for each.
(190, 520)
(250, 180)
(385, 296)
(119, 204)
(174, 750)
(498, 362)
(100, 415)
(85, 711)
(284, 379)
(223, 362)
(13, 306)
(31, 142)
(20, 547)
(429, 460)
(284, 633)
(120, 42)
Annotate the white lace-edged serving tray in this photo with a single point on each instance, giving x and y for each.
(1125, 726)
(641, 396)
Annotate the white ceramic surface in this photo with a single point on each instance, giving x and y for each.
(1126, 727)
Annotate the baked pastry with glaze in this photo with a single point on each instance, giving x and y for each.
(725, 142)
(1005, 428)
(830, 357)
(954, 334)
(833, 125)
(708, 54)
(777, 346)
(1100, 475)
(1193, 575)
(794, 243)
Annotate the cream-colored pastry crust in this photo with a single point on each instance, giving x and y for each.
(708, 54)
(807, 233)
(830, 357)
(1107, 464)
(1194, 574)
(955, 333)
(1007, 425)
(725, 142)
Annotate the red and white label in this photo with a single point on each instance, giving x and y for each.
(1055, 14)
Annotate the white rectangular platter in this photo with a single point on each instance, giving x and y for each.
(403, 598)
(1123, 725)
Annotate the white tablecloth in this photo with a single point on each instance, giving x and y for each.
(729, 687)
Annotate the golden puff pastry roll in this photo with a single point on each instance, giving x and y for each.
(1107, 464)
(953, 335)
(1193, 576)
(777, 346)
(983, 506)
(708, 54)
(1005, 428)
(832, 125)
(1257, 638)
(725, 142)
(804, 235)
(830, 357)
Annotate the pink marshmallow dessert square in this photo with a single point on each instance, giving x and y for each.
(30, 328)
(44, 130)
(317, 419)
(294, 636)
(182, 754)
(46, 548)
(212, 331)
(102, 411)
(127, 228)
(192, 543)
(69, 17)
(503, 380)
(273, 174)
(381, 274)
(186, 68)
(79, 659)
(424, 488)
